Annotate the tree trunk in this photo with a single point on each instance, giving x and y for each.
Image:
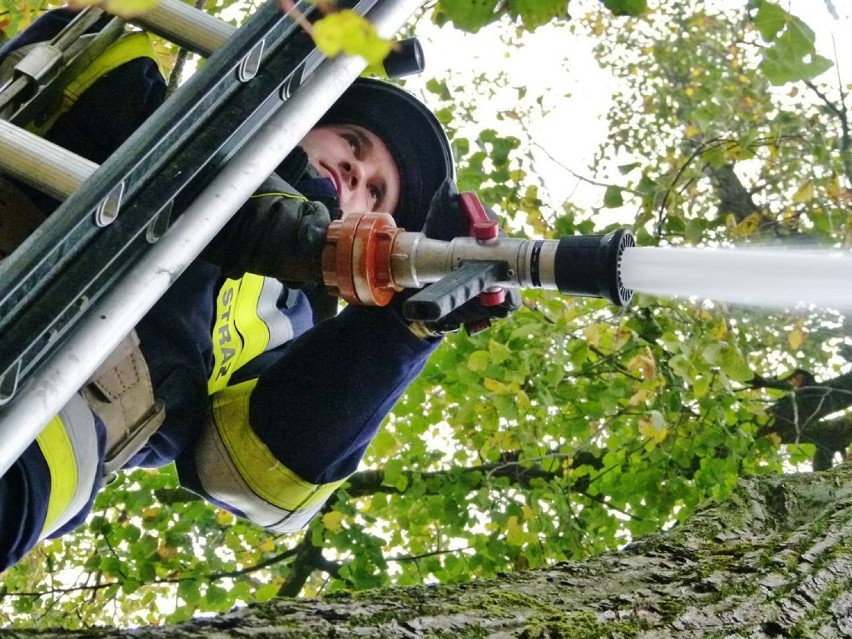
(773, 560)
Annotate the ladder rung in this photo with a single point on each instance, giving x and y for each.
(43, 165)
(186, 26)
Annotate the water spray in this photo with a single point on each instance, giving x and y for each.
(760, 277)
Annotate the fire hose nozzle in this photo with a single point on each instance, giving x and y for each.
(590, 265)
(367, 259)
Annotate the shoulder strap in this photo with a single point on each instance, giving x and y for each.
(129, 47)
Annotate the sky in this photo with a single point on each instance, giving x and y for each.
(551, 62)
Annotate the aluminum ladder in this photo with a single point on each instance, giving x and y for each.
(79, 284)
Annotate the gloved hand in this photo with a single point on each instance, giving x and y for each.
(277, 233)
(444, 221)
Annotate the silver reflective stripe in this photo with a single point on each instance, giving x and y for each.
(80, 426)
(280, 328)
(222, 481)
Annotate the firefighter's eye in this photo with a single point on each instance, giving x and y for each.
(378, 195)
(354, 143)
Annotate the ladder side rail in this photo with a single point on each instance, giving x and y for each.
(140, 288)
(186, 111)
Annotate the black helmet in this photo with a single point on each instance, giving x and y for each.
(412, 134)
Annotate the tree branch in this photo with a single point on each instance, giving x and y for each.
(841, 114)
(799, 417)
(309, 558)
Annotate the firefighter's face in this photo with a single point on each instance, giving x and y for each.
(360, 165)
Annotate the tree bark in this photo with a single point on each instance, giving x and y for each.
(772, 560)
(733, 196)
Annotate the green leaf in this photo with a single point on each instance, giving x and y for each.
(612, 197)
(478, 361)
(695, 230)
(189, 591)
(626, 7)
(534, 13)
(129, 586)
(394, 475)
(780, 68)
(266, 592)
(734, 366)
(792, 56)
(499, 352)
(770, 19)
(467, 15)
(216, 596)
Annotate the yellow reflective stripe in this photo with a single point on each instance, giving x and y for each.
(251, 327)
(129, 47)
(294, 196)
(239, 334)
(265, 475)
(58, 452)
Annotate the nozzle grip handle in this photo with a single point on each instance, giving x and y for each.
(447, 294)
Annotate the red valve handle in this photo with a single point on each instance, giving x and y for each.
(485, 230)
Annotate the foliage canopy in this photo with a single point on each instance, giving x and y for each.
(573, 426)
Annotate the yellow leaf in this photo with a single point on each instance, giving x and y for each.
(730, 222)
(720, 330)
(267, 545)
(502, 440)
(692, 131)
(747, 226)
(223, 517)
(515, 535)
(645, 363)
(805, 192)
(639, 397)
(332, 520)
(352, 34)
(795, 338)
(653, 429)
(166, 552)
(592, 333)
(495, 387)
(833, 188)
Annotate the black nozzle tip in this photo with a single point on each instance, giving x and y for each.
(590, 265)
(616, 243)
(406, 58)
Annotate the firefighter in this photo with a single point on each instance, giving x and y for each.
(265, 402)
